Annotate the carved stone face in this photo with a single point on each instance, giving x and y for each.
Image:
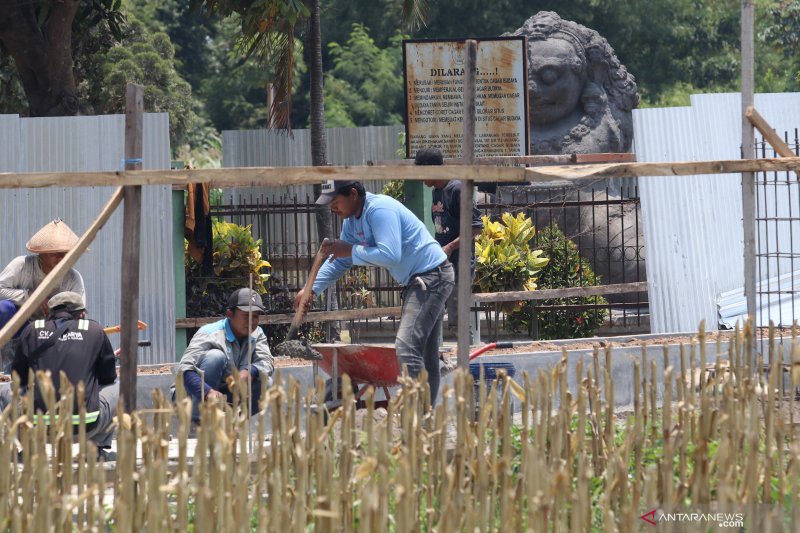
(593, 99)
(553, 86)
(543, 26)
(592, 104)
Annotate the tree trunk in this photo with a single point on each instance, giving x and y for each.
(43, 55)
(318, 143)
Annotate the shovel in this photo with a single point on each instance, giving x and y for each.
(292, 347)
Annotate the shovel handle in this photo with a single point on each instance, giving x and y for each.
(118, 327)
(301, 309)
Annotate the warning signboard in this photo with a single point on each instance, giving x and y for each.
(434, 78)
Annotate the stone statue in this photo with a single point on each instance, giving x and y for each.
(581, 100)
(580, 96)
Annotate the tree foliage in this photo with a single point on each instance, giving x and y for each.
(42, 37)
(148, 59)
(365, 85)
(268, 33)
(235, 91)
(669, 45)
(53, 52)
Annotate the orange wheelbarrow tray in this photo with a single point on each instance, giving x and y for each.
(373, 365)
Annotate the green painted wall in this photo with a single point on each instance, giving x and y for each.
(418, 200)
(178, 215)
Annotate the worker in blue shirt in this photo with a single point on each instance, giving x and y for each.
(234, 344)
(380, 231)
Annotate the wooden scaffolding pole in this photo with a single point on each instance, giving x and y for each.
(464, 286)
(131, 229)
(748, 152)
(763, 127)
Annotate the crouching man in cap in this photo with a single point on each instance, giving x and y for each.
(234, 344)
(68, 342)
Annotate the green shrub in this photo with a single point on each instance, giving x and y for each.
(394, 188)
(566, 269)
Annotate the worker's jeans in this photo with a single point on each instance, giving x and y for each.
(214, 368)
(417, 342)
(452, 309)
(103, 431)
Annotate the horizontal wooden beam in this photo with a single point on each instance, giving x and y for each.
(256, 176)
(533, 160)
(687, 168)
(316, 316)
(378, 312)
(283, 176)
(558, 159)
(625, 157)
(572, 292)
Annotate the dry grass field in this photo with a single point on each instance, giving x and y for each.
(725, 438)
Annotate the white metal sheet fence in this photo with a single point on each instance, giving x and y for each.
(95, 143)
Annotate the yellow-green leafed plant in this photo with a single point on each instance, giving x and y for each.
(504, 259)
(237, 253)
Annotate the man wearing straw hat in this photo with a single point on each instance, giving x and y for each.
(234, 344)
(24, 273)
(68, 342)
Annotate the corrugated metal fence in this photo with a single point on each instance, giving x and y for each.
(693, 224)
(271, 148)
(74, 144)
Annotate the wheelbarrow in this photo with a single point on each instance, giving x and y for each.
(369, 365)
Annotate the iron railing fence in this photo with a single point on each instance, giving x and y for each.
(604, 222)
(778, 239)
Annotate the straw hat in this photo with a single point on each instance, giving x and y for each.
(54, 237)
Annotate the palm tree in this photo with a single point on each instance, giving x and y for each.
(269, 35)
